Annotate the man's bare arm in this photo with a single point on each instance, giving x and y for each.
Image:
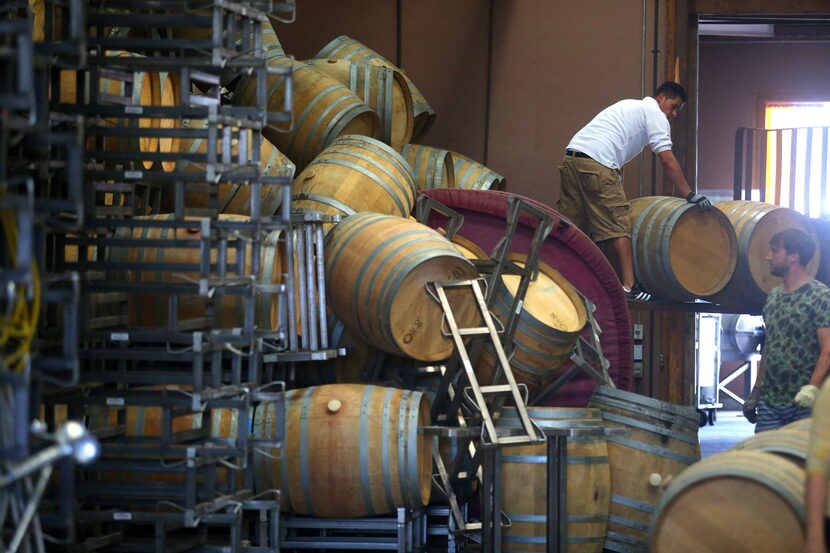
(674, 183)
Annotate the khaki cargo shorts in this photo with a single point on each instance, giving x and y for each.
(592, 197)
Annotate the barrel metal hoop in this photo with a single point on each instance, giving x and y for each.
(365, 482)
(659, 451)
(385, 459)
(268, 257)
(326, 200)
(401, 464)
(628, 523)
(633, 503)
(510, 538)
(635, 236)
(459, 163)
(637, 403)
(665, 235)
(621, 543)
(326, 135)
(414, 405)
(636, 423)
(435, 167)
(305, 476)
(652, 270)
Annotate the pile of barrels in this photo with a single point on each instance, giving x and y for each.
(682, 254)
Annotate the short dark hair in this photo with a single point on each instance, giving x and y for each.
(795, 241)
(671, 89)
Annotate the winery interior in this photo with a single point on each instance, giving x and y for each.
(295, 275)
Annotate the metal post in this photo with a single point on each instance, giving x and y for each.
(557, 493)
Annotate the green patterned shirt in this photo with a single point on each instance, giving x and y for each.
(791, 347)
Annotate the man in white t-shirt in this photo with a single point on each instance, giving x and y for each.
(592, 195)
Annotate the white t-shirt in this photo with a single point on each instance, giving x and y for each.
(620, 132)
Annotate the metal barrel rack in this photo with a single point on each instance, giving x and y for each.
(169, 390)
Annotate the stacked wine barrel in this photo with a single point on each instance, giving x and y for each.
(683, 254)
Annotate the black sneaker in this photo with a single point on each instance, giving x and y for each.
(636, 294)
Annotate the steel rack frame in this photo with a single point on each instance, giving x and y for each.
(403, 532)
(304, 316)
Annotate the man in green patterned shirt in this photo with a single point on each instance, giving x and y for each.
(796, 354)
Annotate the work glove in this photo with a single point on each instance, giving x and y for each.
(806, 396)
(751, 403)
(701, 201)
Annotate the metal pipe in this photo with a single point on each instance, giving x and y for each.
(654, 52)
(643, 79)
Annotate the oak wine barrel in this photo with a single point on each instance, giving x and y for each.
(661, 441)
(350, 450)
(377, 270)
(472, 175)
(736, 501)
(755, 223)
(350, 49)
(524, 481)
(322, 109)
(549, 324)
(680, 252)
(432, 167)
(353, 174)
(383, 89)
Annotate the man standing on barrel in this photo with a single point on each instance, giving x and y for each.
(592, 195)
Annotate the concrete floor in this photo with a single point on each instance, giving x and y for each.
(730, 428)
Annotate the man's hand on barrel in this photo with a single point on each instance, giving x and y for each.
(701, 201)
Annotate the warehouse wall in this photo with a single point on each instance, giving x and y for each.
(734, 80)
(551, 71)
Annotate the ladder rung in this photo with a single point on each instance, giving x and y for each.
(496, 389)
(473, 331)
(523, 439)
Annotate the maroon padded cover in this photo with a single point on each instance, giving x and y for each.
(568, 250)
